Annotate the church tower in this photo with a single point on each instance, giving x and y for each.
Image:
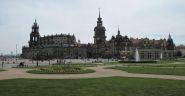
(34, 35)
(99, 32)
(170, 44)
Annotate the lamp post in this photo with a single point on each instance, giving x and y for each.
(32, 58)
(69, 48)
(16, 53)
(78, 51)
(37, 57)
(48, 57)
(2, 63)
(57, 54)
(2, 60)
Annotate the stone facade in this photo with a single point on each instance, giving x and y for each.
(123, 47)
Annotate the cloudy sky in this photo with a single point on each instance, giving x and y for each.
(136, 18)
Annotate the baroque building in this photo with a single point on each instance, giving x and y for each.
(123, 47)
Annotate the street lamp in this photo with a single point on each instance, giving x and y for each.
(2, 64)
(48, 57)
(16, 53)
(37, 57)
(58, 55)
(2, 60)
(32, 58)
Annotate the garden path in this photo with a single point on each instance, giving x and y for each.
(14, 73)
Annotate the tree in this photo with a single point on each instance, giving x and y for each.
(179, 54)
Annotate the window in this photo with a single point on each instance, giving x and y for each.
(149, 55)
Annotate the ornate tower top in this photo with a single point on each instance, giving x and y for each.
(35, 24)
(99, 22)
(35, 27)
(119, 36)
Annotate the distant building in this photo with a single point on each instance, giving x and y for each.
(123, 47)
(181, 50)
(52, 46)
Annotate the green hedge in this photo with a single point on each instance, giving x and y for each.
(137, 61)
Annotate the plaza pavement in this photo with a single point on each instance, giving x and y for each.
(14, 73)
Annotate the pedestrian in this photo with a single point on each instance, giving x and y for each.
(2, 64)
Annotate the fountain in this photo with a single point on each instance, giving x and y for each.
(161, 56)
(137, 55)
(138, 59)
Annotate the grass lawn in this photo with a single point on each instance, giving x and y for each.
(168, 65)
(158, 62)
(155, 65)
(111, 63)
(153, 70)
(167, 61)
(1, 70)
(111, 86)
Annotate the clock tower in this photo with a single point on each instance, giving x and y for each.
(99, 32)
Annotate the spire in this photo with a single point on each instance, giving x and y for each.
(118, 30)
(35, 23)
(99, 22)
(99, 13)
(170, 43)
(169, 36)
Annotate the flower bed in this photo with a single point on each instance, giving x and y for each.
(60, 70)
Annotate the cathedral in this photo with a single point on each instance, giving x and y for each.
(118, 47)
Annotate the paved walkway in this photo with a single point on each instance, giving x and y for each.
(100, 72)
